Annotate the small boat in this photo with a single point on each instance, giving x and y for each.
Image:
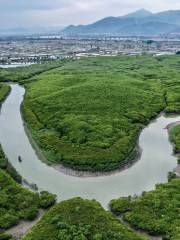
(19, 158)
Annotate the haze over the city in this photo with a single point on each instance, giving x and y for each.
(23, 13)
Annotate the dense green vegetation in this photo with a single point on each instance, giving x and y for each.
(16, 202)
(88, 114)
(156, 212)
(5, 165)
(175, 138)
(79, 219)
(4, 91)
(21, 74)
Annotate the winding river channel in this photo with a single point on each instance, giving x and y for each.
(152, 168)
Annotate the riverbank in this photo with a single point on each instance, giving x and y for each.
(138, 231)
(130, 160)
(82, 174)
(19, 231)
(5, 92)
(134, 157)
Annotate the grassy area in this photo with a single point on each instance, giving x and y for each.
(78, 219)
(156, 212)
(88, 114)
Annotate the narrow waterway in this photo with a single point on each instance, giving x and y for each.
(15, 65)
(152, 168)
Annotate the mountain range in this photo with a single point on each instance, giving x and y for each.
(139, 23)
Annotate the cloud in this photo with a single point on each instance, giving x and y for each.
(22, 5)
(64, 12)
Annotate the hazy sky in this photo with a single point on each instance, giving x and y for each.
(64, 12)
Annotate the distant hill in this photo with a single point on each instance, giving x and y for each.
(172, 17)
(142, 13)
(139, 23)
(29, 31)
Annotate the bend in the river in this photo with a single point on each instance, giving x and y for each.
(152, 168)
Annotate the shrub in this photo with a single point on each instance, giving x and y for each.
(47, 199)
